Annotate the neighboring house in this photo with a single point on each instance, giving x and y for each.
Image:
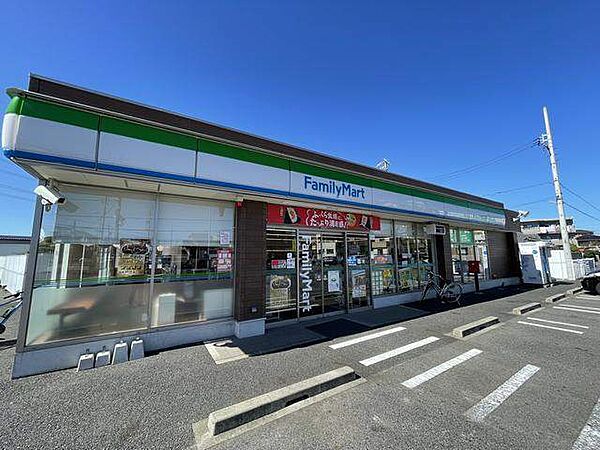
(588, 241)
(13, 258)
(547, 230)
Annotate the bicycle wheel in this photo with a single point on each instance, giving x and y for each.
(451, 293)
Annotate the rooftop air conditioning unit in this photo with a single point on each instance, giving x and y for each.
(435, 229)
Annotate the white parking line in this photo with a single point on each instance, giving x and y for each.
(593, 308)
(398, 351)
(366, 338)
(576, 310)
(435, 371)
(495, 399)
(589, 297)
(589, 438)
(548, 326)
(557, 323)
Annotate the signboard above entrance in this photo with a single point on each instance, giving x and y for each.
(319, 218)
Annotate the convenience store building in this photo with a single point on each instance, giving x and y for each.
(177, 230)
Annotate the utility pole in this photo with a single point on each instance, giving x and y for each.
(564, 233)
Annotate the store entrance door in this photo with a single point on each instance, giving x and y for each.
(334, 273)
(322, 273)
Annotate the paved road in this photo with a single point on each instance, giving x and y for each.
(152, 403)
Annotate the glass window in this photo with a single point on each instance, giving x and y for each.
(93, 265)
(281, 282)
(464, 249)
(408, 276)
(358, 270)
(194, 261)
(382, 260)
(481, 251)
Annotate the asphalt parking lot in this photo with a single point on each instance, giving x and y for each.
(424, 388)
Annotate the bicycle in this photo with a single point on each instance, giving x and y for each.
(447, 293)
(16, 301)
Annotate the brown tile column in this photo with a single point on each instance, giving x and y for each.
(250, 264)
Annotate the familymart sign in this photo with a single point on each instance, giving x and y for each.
(314, 186)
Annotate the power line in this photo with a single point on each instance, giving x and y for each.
(501, 157)
(548, 199)
(583, 212)
(580, 197)
(529, 186)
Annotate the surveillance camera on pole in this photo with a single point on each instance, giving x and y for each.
(49, 196)
(520, 215)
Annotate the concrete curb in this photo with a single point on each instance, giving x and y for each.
(473, 327)
(555, 298)
(520, 310)
(239, 414)
(575, 291)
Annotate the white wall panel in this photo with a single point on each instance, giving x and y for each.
(134, 153)
(56, 139)
(229, 170)
(10, 128)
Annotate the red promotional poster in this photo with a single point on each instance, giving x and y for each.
(320, 218)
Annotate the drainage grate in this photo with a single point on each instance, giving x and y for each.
(338, 328)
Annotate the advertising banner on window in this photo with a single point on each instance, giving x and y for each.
(319, 218)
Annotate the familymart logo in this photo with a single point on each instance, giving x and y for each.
(332, 187)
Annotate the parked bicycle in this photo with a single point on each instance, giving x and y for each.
(14, 302)
(446, 292)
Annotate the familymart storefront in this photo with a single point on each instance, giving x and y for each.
(176, 231)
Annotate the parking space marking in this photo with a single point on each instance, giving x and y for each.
(593, 308)
(589, 438)
(558, 323)
(548, 326)
(439, 369)
(589, 297)
(576, 310)
(486, 406)
(368, 337)
(398, 351)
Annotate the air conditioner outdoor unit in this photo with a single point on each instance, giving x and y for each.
(434, 228)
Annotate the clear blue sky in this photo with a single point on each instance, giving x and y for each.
(434, 88)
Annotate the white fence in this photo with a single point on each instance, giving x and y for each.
(12, 271)
(558, 268)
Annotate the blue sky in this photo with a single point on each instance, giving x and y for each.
(435, 87)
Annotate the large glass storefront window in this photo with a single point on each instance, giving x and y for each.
(322, 271)
(95, 272)
(194, 261)
(93, 265)
(424, 255)
(281, 282)
(383, 278)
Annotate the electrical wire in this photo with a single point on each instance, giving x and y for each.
(580, 197)
(529, 186)
(501, 157)
(548, 199)
(582, 212)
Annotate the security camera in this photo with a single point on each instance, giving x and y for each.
(521, 215)
(49, 195)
